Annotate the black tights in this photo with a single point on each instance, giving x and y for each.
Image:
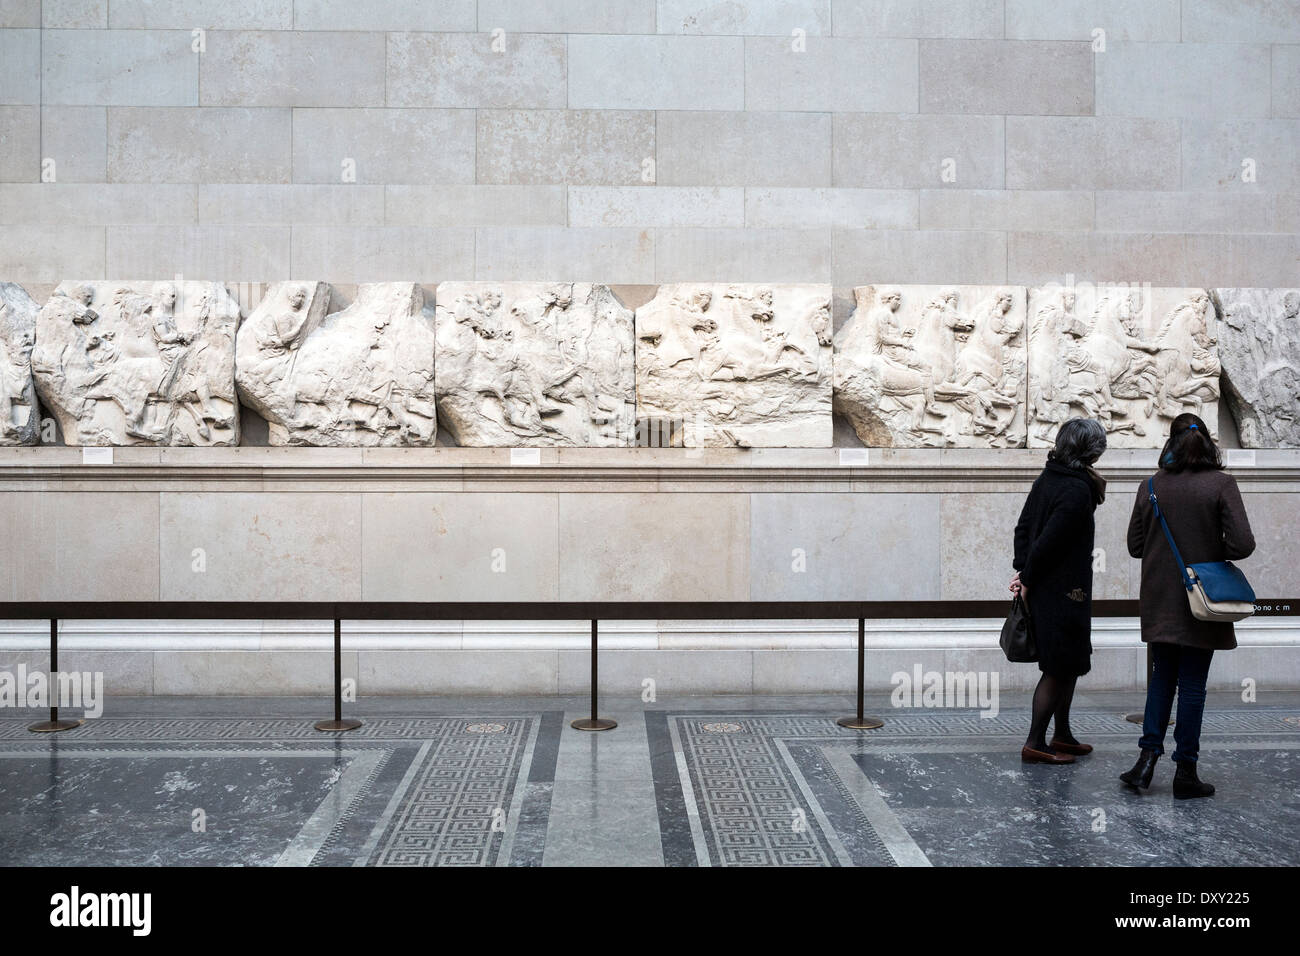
(1052, 698)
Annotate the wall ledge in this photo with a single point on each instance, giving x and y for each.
(51, 468)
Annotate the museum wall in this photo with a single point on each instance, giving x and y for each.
(426, 525)
(650, 141)
(186, 158)
(581, 524)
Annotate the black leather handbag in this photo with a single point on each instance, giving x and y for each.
(1017, 639)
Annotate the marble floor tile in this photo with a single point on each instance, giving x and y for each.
(682, 781)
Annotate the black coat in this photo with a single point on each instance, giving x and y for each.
(1054, 557)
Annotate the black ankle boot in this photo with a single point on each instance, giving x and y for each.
(1140, 775)
(1187, 785)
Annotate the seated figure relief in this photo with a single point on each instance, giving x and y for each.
(1134, 359)
(129, 363)
(534, 363)
(931, 366)
(19, 408)
(739, 365)
(361, 375)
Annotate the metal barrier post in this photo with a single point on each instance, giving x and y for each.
(593, 722)
(54, 724)
(859, 722)
(338, 723)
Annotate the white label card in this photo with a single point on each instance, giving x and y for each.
(525, 456)
(1241, 458)
(854, 456)
(93, 455)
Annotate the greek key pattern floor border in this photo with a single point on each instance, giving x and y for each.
(752, 809)
(462, 790)
(455, 809)
(259, 729)
(754, 799)
(918, 722)
(790, 789)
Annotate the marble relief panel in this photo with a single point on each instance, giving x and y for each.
(534, 363)
(19, 407)
(139, 363)
(934, 366)
(1259, 346)
(742, 365)
(1132, 357)
(361, 375)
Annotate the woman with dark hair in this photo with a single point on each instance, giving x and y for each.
(1207, 519)
(1053, 563)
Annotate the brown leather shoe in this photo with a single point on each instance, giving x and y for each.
(1066, 748)
(1028, 755)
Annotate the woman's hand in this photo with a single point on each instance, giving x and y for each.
(1018, 588)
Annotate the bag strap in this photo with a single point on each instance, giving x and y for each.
(1182, 569)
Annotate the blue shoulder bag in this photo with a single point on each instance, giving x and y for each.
(1216, 590)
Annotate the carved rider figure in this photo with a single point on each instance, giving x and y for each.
(284, 330)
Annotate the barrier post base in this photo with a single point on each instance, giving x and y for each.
(54, 726)
(1139, 718)
(337, 724)
(594, 723)
(860, 723)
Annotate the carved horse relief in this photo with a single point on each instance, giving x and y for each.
(124, 363)
(360, 375)
(533, 363)
(742, 365)
(1139, 358)
(934, 366)
(1188, 363)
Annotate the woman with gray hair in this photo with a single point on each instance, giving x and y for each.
(1053, 563)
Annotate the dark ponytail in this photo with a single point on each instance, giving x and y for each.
(1189, 447)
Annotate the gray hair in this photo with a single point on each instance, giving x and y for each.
(1079, 443)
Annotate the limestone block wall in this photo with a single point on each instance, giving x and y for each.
(651, 141)
(599, 524)
(639, 144)
(461, 524)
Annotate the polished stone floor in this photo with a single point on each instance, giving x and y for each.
(723, 781)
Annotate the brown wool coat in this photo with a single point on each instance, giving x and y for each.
(1208, 521)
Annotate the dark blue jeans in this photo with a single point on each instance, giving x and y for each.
(1183, 669)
